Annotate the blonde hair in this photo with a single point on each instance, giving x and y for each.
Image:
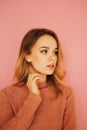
(22, 66)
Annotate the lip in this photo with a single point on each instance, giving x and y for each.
(51, 66)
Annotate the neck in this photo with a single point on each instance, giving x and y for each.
(44, 77)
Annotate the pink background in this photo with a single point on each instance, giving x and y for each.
(66, 17)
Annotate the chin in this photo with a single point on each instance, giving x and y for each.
(50, 73)
(46, 73)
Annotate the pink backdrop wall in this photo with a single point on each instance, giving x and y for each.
(69, 19)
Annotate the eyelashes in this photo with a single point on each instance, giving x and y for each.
(46, 51)
(56, 52)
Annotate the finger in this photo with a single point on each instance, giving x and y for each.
(34, 76)
(38, 79)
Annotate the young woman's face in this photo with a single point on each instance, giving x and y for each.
(44, 55)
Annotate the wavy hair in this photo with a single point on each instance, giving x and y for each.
(22, 66)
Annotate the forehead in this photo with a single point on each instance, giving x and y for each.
(46, 40)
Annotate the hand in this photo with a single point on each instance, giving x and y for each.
(32, 82)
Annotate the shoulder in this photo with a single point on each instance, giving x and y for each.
(67, 91)
(67, 96)
(13, 91)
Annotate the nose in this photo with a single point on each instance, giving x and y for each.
(53, 58)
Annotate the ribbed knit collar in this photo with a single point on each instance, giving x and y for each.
(42, 85)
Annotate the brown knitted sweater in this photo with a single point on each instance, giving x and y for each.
(24, 110)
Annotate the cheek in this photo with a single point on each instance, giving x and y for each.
(40, 61)
(37, 59)
(56, 60)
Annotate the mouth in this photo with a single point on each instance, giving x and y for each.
(51, 66)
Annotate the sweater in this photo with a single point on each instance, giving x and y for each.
(21, 109)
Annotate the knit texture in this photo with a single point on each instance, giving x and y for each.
(21, 109)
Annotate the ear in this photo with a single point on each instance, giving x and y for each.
(27, 58)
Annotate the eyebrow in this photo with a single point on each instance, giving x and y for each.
(47, 47)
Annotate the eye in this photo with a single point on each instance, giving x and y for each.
(44, 51)
(55, 52)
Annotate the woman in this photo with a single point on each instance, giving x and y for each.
(39, 99)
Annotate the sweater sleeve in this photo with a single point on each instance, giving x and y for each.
(69, 122)
(23, 119)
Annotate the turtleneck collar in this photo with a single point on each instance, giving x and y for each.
(42, 85)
